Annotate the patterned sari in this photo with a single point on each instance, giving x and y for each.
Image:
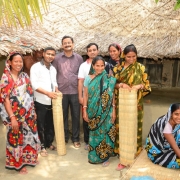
(102, 130)
(134, 74)
(158, 149)
(21, 147)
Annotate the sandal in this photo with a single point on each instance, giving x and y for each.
(120, 167)
(52, 147)
(105, 163)
(23, 171)
(77, 144)
(86, 147)
(43, 152)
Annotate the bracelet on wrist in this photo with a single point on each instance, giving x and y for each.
(11, 116)
(113, 105)
(84, 106)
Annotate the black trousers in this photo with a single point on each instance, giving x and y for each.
(71, 100)
(45, 124)
(85, 130)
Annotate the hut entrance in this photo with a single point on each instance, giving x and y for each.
(176, 74)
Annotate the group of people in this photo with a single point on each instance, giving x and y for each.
(90, 87)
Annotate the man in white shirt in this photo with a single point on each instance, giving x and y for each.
(92, 52)
(43, 79)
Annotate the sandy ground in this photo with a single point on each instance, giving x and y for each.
(74, 165)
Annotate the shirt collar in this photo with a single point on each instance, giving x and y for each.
(66, 56)
(88, 61)
(42, 63)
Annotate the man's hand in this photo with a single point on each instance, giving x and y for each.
(52, 95)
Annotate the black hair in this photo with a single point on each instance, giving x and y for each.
(175, 107)
(91, 44)
(97, 58)
(117, 46)
(130, 48)
(65, 37)
(49, 48)
(15, 54)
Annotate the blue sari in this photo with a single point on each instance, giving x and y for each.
(158, 148)
(102, 130)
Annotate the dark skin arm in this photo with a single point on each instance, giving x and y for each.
(172, 142)
(52, 95)
(80, 90)
(8, 108)
(114, 110)
(85, 100)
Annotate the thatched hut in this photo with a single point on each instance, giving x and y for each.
(152, 28)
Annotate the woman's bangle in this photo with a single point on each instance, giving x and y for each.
(11, 116)
(120, 85)
(113, 105)
(84, 106)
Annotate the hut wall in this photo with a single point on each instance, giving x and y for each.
(176, 74)
(167, 73)
(2, 64)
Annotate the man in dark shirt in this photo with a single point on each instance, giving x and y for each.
(67, 65)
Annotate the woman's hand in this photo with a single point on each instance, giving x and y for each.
(113, 117)
(35, 116)
(14, 124)
(85, 115)
(137, 87)
(125, 86)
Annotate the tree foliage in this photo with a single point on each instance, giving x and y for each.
(177, 5)
(20, 12)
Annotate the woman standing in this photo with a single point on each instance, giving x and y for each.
(131, 75)
(163, 141)
(18, 115)
(115, 53)
(99, 112)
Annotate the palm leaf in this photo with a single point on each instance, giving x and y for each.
(21, 12)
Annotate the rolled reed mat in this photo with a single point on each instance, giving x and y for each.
(127, 126)
(59, 124)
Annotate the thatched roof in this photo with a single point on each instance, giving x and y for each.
(152, 28)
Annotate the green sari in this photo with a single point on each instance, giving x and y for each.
(102, 131)
(134, 74)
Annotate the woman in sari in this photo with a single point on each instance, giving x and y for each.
(131, 75)
(18, 115)
(115, 53)
(163, 141)
(99, 112)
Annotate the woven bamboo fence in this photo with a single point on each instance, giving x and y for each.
(59, 124)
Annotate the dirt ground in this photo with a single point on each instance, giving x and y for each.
(74, 165)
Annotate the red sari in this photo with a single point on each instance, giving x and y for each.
(21, 147)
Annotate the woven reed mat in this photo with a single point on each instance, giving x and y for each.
(59, 124)
(127, 126)
(144, 167)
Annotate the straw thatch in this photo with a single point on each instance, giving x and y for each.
(153, 28)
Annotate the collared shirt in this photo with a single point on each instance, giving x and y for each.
(44, 78)
(84, 69)
(67, 72)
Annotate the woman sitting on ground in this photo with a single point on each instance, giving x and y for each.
(163, 141)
